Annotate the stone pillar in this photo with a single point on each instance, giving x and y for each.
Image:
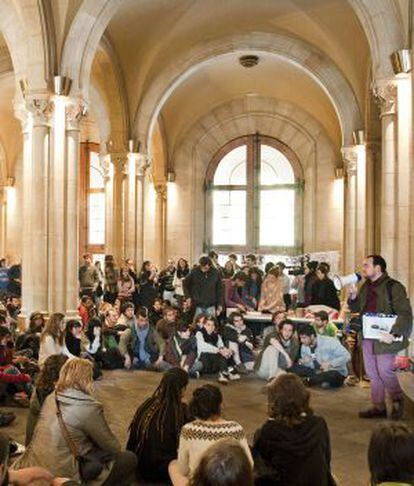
(386, 95)
(115, 203)
(349, 155)
(74, 112)
(160, 221)
(3, 220)
(36, 153)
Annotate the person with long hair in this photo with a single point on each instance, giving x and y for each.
(52, 339)
(293, 445)
(391, 456)
(182, 271)
(155, 428)
(271, 297)
(44, 386)
(30, 340)
(323, 290)
(208, 427)
(111, 273)
(73, 337)
(73, 415)
(126, 285)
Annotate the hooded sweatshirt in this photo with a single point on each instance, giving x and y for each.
(299, 455)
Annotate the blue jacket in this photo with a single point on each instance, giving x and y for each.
(328, 349)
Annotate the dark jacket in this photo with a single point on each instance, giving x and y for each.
(324, 293)
(229, 333)
(298, 455)
(399, 304)
(129, 340)
(204, 288)
(292, 349)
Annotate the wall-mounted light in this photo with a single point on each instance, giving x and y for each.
(401, 61)
(358, 137)
(170, 176)
(339, 172)
(24, 86)
(62, 85)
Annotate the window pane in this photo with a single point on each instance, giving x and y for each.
(229, 217)
(96, 180)
(232, 168)
(96, 223)
(275, 168)
(277, 217)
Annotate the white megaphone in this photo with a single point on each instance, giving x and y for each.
(342, 281)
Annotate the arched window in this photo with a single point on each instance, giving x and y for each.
(254, 197)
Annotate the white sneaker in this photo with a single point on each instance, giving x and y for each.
(234, 376)
(223, 379)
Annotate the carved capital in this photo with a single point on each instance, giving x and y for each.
(142, 162)
(350, 159)
(75, 110)
(105, 163)
(120, 162)
(161, 190)
(22, 114)
(385, 94)
(41, 110)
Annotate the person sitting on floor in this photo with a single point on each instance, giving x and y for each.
(212, 353)
(323, 360)
(322, 325)
(73, 337)
(30, 340)
(292, 448)
(13, 383)
(277, 317)
(127, 317)
(280, 350)
(139, 345)
(155, 429)
(167, 326)
(239, 338)
(72, 408)
(44, 386)
(181, 351)
(155, 312)
(208, 427)
(105, 358)
(52, 339)
(391, 456)
(84, 310)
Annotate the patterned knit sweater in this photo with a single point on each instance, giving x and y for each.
(197, 436)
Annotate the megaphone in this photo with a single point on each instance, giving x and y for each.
(343, 281)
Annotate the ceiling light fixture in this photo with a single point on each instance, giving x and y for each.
(249, 61)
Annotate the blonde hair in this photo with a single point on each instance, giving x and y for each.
(76, 373)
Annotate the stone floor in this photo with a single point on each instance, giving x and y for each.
(245, 401)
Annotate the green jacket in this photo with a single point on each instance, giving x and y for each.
(399, 305)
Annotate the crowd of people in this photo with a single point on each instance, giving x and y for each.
(177, 321)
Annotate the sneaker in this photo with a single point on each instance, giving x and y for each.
(373, 413)
(222, 378)
(6, 419)
(351, 380)
(195, 375)
(234, 376)
(241, 369)
(397, 411)
(325, 385)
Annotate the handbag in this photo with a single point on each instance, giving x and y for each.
(91, 464)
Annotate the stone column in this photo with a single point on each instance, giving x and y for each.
(386, 95)
(74, 111)
(36, 130)
(134, 213)
(3, 219)
(349, 155)
(115, 204)
(160, 221)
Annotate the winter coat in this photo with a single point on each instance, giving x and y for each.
(204, 288)
(85, 421)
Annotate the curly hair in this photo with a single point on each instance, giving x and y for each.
(206, 402)
(289, 400)
(49, 374)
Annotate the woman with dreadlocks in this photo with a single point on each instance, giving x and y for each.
(155, 429)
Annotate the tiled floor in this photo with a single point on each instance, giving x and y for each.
(245, 401)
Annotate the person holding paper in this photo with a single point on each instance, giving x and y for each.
(380, 294)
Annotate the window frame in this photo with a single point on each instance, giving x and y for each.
(253, 191)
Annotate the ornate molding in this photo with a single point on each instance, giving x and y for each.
(142, 163)
(75, 111)
(41, 110)
(120, 162)
(161, 190)
(386, 95)
(350, 159)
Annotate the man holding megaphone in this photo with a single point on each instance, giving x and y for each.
(382, 295)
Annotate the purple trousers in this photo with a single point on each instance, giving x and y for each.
(381, 371)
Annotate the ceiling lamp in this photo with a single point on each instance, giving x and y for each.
(249, 61)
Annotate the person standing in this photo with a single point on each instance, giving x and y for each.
(88, 277)
(323, 290)
(381, 294)
(166, 280)
(287, 299)
(203, 288)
